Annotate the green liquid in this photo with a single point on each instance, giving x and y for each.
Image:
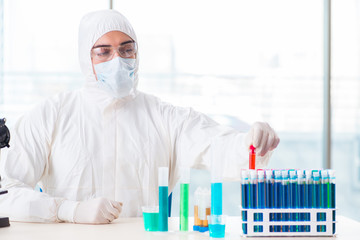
(184, 207)
(151, 221)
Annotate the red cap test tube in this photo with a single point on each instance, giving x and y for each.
(252, 156)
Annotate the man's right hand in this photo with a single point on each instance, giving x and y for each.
(97, 211)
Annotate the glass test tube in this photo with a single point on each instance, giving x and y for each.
(244, 198)
(316, 195)
(253, 194)
(216, 177)
(285, 199)
(252, 157)
(163, 198)
(332, 195)
(208, 207)
(260, 195)
(277, 198)
(324, 196)
(196, 210)
(269, 194)
(294, 199)
(308, 198)
(184, 199)
(216, 198)
(301, 197)
(204, 209)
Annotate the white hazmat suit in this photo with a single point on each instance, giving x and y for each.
(85, 144)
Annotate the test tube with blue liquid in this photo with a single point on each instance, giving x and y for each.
(285, 199)
(308, 198)
(332, 190)
(163, 198)
(244, 198)
(253, 195)
(324, 196)
(261, 196)
(301, 197)
(216, 219)
(277, 198)
(294, 199)
(216, 195)
(316, 195)
(269, 194)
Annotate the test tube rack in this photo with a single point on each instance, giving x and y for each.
(313, 223)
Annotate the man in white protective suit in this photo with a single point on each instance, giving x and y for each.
(95, 152)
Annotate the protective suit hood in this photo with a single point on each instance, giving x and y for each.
(94, 25)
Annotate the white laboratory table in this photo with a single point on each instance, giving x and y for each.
(132, 228)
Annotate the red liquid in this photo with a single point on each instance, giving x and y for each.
(252, 161)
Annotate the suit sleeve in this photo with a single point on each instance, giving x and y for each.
(199, 142)
(23, 165)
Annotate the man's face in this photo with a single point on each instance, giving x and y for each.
(114, 39)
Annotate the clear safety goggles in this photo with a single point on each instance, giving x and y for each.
(104, 53)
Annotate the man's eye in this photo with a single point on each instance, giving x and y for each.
(131, 50)
(103, 52)
(126, 51)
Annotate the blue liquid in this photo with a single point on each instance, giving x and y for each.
(217, 230)
(163, 209)
(324, 193)
(294, 203)
(317, 202)
(285, 204)
(277, 204)
(324, 203)
(277, 195)
(245, 204)
(216, 198)
(308, 203)
(253, 201)
(261, 195)
(253, 196)
(316, 196)
(261, 202)
(244, 199)
(301, 204)
(269, 195)
(333, 202)
(309, 193)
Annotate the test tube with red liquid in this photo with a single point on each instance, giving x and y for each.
(252, 157)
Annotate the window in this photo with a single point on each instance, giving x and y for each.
(346, 105)
(39, 51)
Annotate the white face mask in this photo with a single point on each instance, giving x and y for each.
(116, 76)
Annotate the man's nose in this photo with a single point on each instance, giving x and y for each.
(116, 54)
